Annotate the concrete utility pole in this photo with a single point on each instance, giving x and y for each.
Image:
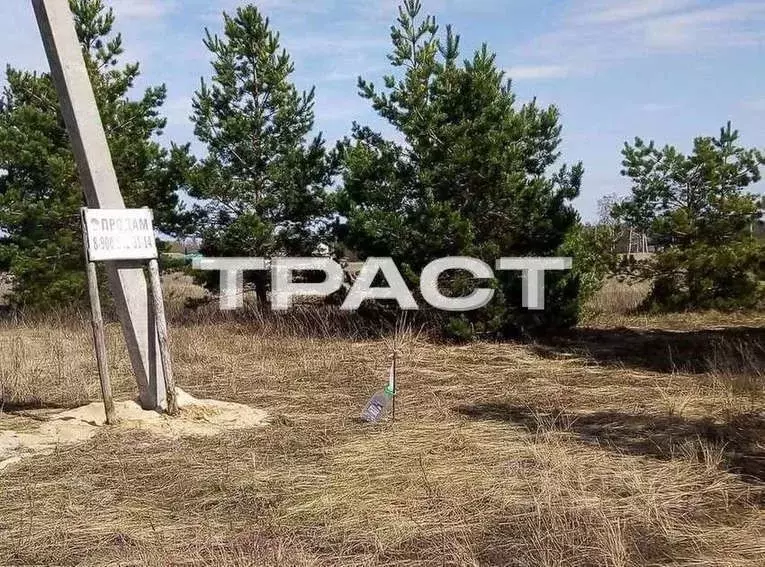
(99, 181)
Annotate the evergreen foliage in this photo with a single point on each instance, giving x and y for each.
(697, 212)
(40, 193)
(263, 183)
(469, 178)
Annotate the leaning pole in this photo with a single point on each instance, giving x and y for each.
(99, 182)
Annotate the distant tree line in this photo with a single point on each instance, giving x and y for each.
(472, 173)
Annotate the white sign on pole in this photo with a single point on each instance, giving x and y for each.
(119, 234)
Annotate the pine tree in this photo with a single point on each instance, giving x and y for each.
(40, 193)
(263, 183)
(471, 178)
(697, 212)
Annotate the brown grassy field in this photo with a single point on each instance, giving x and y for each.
(630, 441)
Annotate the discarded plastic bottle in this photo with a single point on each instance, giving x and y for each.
(378, 405)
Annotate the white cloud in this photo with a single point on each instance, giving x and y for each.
(142, 9)
(611, 11)
(723, 26)
(592, 34)
(532, 72)
(321, 44)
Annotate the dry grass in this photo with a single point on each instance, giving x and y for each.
(619, 448)
(615, 300)
(617, 304)
(633, 441)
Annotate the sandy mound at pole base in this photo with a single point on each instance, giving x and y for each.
(197, 418)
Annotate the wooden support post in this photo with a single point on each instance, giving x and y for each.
(97, 322)
(99, 181)
(393, 401)
(162, 334)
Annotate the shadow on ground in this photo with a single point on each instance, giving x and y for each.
(33, 404)
(742, 439)
(734, 349)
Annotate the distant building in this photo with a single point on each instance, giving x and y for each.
(633, 241)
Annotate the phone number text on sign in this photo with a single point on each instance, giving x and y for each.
(119, 234)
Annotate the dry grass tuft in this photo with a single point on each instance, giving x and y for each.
(616, 299)
(618, 304)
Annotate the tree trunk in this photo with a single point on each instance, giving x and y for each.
(261, 289)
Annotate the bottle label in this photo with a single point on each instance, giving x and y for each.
(372, 412)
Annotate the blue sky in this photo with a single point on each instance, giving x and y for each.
(666, 70)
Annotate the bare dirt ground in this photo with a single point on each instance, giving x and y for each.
(631, 442)
(58, 429)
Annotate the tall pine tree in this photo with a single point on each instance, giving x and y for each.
(471, 178)
(263, 182)
(40, 193)
(698, 213)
